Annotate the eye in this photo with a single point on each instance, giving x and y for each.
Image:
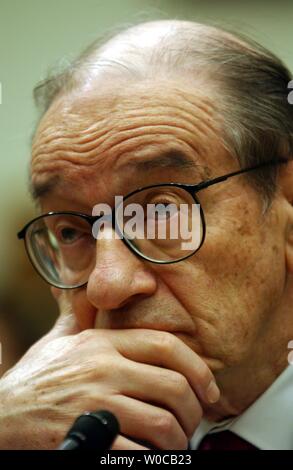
(161, 211)
(68, 235)
(163, 199)
(162, 207)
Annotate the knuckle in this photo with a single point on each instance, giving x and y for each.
(165, 424)
(170, 432)
(164, 344)
(180, 385)
(103, 365)
(93, 338)
(203, 374)
(86, 335)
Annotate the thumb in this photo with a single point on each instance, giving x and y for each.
(65, 324)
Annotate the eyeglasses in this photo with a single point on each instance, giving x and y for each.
(62, 245)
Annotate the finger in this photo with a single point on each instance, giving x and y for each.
(145, 422)
(164, 388)
(65, 324)
(164, 349)
(122, 443)
(62, 298)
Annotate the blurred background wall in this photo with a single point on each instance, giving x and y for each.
(36, 34)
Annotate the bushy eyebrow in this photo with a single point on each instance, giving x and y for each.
(43, 188)
(176, 159)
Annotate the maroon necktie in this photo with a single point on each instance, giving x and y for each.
(224, 440)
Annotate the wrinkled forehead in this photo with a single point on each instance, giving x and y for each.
(104, 102)
(105, 129)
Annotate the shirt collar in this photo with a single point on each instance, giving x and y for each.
(267, 423)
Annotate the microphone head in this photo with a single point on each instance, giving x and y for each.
(95, 430)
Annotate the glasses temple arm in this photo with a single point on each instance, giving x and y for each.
(219, 179)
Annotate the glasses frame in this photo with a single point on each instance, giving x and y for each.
(191, 189)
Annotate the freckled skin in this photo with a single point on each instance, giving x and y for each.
(228, 302)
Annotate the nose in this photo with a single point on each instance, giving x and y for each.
(118, 275)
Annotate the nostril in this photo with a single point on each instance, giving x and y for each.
(131, 299)
(118, 279)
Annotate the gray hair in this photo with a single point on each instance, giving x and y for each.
(248, 84)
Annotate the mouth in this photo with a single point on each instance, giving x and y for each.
(168, 323)
(183, 330)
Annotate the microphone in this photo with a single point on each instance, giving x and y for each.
(92, 431)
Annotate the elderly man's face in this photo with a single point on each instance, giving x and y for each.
(220, 301)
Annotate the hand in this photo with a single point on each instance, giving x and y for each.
(149, 379)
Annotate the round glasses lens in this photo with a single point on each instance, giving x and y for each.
(163, 223)
(62, 249)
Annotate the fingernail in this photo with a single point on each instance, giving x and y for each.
(213, 392)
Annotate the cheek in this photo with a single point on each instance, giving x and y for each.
(229, 287)
(85, 313)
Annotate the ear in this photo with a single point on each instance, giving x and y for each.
(286, 186)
